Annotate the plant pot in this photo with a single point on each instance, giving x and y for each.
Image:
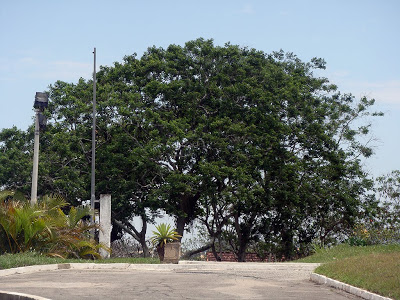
(172, 253)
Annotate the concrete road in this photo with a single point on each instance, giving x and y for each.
(183, 281)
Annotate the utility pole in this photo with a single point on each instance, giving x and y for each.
(41, 102)
(35, 159)
(93, 178)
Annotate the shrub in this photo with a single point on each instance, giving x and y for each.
(45, 228)
(374, 234)
(162, 235)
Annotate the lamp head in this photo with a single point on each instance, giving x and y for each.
(41, 100)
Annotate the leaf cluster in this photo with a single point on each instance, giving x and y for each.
(45, 228)
(164, 234)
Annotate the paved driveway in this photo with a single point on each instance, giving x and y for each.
(183, 281)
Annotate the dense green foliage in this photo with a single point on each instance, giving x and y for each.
(250, 144)
(45, 228)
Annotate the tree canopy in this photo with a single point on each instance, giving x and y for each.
(250, 144)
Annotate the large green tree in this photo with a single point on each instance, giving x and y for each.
(15, 160)
(247, 142)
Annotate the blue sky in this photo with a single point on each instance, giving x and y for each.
(45, 41)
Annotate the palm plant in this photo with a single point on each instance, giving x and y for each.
(70, 235)
(22, 226)
(45, 227)
(162, 235)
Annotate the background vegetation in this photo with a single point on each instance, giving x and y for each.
(252, 146)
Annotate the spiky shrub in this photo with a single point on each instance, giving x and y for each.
(162, 235)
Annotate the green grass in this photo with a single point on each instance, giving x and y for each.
(374, 268)
(344, 251)
(8, 261)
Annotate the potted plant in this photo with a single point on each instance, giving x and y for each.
(164, 235)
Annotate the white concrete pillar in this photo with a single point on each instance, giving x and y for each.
(105, 224)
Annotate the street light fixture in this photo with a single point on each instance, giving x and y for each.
(41, 102)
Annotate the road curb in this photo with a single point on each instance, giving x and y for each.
(4, 295)
(183, 265)
(28, 269)
(321, 279)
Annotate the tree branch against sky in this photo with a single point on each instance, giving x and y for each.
(356, 38)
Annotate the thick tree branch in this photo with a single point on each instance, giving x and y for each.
(199, 250)
(127, 230)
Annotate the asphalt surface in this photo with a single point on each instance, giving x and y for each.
(184, 281)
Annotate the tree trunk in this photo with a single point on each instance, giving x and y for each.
(160, 251)
(215, 253)
(287, 243)
(138, 236)
(243, 236)
(241, 254)
(116, 233)
(180, 226)
(142, 236)
(187, 206)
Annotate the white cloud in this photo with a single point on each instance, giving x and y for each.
(27, 61)
(382, 91)
(339, 74)
(248, 9)
(64, 70)
(31, 68)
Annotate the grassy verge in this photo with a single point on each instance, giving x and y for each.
(345, 251)
(374, 268)
(31, 258)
